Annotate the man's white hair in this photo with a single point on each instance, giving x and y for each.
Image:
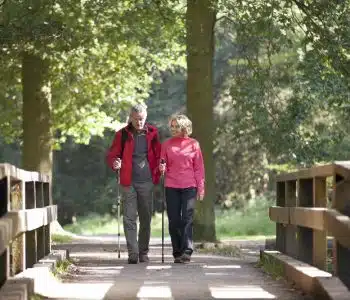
(138, 108)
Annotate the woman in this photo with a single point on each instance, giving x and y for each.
(182, 163)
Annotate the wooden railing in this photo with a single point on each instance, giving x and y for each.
(26, 211)
(305, 216)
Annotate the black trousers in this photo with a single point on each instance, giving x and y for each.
(180, 209)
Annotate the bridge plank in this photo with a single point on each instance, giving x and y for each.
(17, 289)
(317, 171)
(279, 214)
(23, 175)
(309, 217)
(16, 222)
(339, 226)
(310, 279)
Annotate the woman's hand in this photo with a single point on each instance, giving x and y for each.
(200, 197)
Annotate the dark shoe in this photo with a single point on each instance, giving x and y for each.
(185, 258)
(133, 259)
(144, 258)
(177, 260)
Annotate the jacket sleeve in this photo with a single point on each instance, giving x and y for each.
(199, 171)
(157, 147)
(114, 151)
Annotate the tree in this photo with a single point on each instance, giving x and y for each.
(200, 21)
(81, 65)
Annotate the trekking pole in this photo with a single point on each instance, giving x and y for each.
(118, 207)
(163, 208)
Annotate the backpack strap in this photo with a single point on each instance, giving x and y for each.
(125, 136)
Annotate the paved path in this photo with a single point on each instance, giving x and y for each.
(97, 274)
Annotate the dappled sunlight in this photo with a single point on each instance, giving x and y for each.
(154, 292)
(83, 290)
(218, 274)
(312, 271)
(343, 218)
(160, 267)
(87, 291)
(100, 271)
(98, 255)
(214, 257)
(222, 267)
(272, 251)
(98, 268)
(240, 292)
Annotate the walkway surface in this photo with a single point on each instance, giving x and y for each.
(97, 273)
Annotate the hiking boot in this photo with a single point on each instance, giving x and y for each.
(177, 260)
(133, 259)
(185, 258)
(144, 258)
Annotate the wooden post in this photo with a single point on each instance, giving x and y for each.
(291, 230)
(319, 254)
(18, 244)
(341, 202)
(4, 207)
(47, 201)
(31, 238)
(280, 228)
(40, 232)
(305, 235)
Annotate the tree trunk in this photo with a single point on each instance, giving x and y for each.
(200, 21)
(37, 135)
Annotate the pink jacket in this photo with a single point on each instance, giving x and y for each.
(184, 163)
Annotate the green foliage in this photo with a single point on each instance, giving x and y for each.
(252, 220)
(61, 238)
(272, 266)
(61, 268)
(101, 58)
(102, 224)
(281, 89)
(36, 297)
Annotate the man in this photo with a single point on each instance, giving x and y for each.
(136, 151)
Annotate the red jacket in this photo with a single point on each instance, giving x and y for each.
(154, 148)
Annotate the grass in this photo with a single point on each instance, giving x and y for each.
(94, 224)
(271, 266)
(251, 222)
(61, 238)
(61, 267)
(220, 249)
(36, 297)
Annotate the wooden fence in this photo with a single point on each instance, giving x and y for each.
(313, 204)
(26, 211)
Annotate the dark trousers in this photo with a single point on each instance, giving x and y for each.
(180, 208)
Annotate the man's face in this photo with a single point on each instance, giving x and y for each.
(138, 120)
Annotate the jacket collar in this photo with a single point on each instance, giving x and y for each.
(131, 128)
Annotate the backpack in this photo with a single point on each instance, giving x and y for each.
(125, 136)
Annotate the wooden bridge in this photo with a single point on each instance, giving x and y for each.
(307, 220)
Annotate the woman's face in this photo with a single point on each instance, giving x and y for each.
(175, 129)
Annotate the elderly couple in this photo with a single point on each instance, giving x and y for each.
(141, 159)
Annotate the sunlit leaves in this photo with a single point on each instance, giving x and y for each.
(104, 54)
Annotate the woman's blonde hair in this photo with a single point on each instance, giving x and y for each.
(184, 123)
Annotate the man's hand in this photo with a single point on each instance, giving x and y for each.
(162, 168)
(200, 197)
(117, 164)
